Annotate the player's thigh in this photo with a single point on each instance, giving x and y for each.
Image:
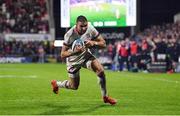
(74, 76)
(74, 79)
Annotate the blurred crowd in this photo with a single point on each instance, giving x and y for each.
(133, 53)
(37, 51)
(23, 16)
(157, 43)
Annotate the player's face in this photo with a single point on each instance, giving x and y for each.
(81, 27)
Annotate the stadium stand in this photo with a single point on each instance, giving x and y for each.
(155, 47)
(25, 31)
(23, 16)
(161, 53)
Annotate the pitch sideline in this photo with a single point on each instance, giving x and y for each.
(18, 76)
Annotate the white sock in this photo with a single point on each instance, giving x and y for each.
(63, 84)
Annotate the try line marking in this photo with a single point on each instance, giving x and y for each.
(18, 76)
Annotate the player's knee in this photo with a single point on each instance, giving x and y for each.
(74, 87)
(99, 71)
(101, 74)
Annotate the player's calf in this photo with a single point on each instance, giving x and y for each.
(67, 84)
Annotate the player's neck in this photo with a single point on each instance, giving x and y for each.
(76, 31)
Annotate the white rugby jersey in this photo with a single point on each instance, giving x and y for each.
(90, 34)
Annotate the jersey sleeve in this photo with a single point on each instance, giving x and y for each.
(94, 32)
(67, 41)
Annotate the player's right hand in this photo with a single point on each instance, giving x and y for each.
(79, 49)
(89, 43)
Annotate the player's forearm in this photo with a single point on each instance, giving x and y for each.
(100, 44)
(66, 54)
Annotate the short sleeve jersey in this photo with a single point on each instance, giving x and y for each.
(90, 34)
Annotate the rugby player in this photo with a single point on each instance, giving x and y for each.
(82, 56)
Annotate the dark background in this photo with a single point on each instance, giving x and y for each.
(157, 11)
(150, 12)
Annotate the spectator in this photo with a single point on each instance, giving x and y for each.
(23, 16)
(134, 52)
(123, 56)
(41, 54)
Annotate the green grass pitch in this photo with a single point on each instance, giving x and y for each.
(25, 89)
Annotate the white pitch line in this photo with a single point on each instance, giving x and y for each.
(166, 80)
(42, 100)
(155, 78)
(18, 76)
(9, 69)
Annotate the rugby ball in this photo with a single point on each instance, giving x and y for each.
(77, 42)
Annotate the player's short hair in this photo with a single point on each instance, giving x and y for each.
(81, 18)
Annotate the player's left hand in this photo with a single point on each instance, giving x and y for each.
(89, 43)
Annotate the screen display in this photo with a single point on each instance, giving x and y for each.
(100, 13)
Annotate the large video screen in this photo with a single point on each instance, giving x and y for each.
(100, 13)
